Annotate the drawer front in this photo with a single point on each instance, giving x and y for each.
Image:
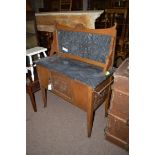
(119, 104)
(61, 85)
(116, 140)
(102, 91)
(122, 84)
(121, 77)
(118, 128)
(100, 98)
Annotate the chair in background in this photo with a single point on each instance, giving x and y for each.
(32, 87)
(119, 3)
(30, 53)
(33, 53)
(119, 16)
(65, 5)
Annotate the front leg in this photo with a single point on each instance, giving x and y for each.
(44, 95)
(90, 113)
(90, 117)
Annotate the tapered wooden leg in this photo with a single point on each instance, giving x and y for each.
(107, 102)
(32, 97)
(89, 122)
(44, 95)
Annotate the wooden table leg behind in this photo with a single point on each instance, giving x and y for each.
(44, 95)
(32, 97)
(107, 101)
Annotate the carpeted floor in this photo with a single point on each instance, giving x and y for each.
(60, 129)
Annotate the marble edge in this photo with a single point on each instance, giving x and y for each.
(70, 12)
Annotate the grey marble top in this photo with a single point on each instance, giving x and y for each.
(77, 70)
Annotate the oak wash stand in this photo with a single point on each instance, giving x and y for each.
(79, 68)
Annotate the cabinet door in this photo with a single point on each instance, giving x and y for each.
(61, 85)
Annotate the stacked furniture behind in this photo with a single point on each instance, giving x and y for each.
(117, 130)
(33, 51)
(121, 17)
(31, 41)
(80, 68)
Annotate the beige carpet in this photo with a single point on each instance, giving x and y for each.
(60, 129)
